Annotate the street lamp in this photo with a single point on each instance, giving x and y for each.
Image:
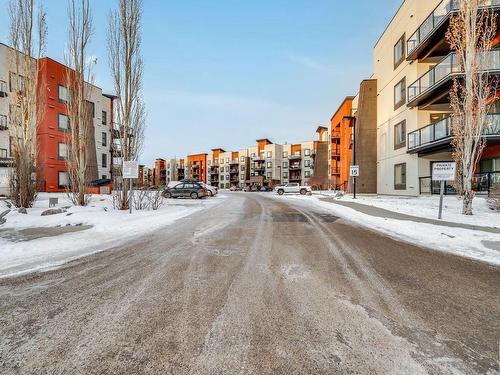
(352, 123)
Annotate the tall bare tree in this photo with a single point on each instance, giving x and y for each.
(78, 78)
(470, 35)
(28, 33)
(124, 48)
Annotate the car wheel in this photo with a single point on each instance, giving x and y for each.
(303, 191)
(194, 195)
(280, 192)
(168, 195)
(210, 194)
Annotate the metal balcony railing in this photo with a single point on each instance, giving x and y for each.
(439, 15)
(441, 130)
(448, 66)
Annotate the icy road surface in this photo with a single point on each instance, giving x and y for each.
(256, 285)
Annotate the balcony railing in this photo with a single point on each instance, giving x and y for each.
(436, 19)
(295, 157)
(336, 170)
(448, 66)
(441, 130)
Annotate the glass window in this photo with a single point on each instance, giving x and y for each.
(104, 160)
(242, 176)
(285, 154)
(222, 161)
(242, 158)
(399, 51)
(242, 168)
(269, 164)
(307, 152)
(62, 179)
(400, 93)
(285, 164)
(269, 174)
(285, 174)
(307, 163)
(307, 173)
(104, 118)
(91, 106)
(62, 151)
(104, 138)
(400, 176)
(400, 135)
(3, 152)
(63, 94)
(63, 122)
(269, 154)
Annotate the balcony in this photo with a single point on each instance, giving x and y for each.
(234, 162)
(295, 178)
(335, 153)
(429, 40)
(437, 136)
(295, 157)
(258, 158)
(336, 171)
(336, 137)
(295, 167)
(259, 168)
(431, 90)
(233, 171)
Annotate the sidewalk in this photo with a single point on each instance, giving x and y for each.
(383, 213)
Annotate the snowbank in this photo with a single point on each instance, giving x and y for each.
(473, 244)
(110, 227)
(427, 207)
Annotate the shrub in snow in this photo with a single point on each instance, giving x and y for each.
(494, 204)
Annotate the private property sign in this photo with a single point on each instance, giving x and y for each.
(444, 171)
(130, 169)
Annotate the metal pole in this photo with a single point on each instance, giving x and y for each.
(441, 194)
(354, 151)
(130, 196)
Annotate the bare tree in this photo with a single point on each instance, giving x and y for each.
(28, 33)
(470, 35)
(124, 42)
(78, 79)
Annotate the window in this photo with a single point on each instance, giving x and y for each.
(3, 122)
(3, 152)
(62, 179)
(104, 118)
(242, 176)
(307, 163)
(400, 93)
(63, 122)
(104, 139)
(242, 168)
(91, 106)
(227, 168)
(222, 177)
(242, 158)
(62, 151)
(399, 51)
(104, 177)
(285, 154)
(269, 154)
(307, 152)
(253, 155)
(400, 176)
(489, 165)
(16, 82)
(400, 135)
(104, 160)
(285, 164)
(63, 94)
(285, 174)
(269, 164)
(222, 161)
(227, 160)
(269, 174)
(307, 174)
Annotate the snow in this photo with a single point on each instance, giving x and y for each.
(458, 241)
(110, 228)
(427, 207)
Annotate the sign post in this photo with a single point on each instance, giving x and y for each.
(443, 172)
(354, 172)
(130, 171)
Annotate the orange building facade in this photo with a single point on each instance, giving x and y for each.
(197, 167)
(341, 145)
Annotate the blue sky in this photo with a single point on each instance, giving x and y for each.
(222, 73)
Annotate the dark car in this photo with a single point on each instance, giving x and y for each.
(192, 190)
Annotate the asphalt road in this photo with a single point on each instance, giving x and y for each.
(257, 285)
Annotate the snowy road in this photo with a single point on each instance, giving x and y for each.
(258, 285)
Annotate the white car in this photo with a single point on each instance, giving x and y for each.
(293, 188)
(212, 190)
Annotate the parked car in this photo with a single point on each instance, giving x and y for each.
(235, 188)
(211, 190)
(266, 188)
(193, 190)
(293, 187)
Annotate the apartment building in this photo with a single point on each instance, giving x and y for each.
(196, 167)
(53, 125)
(414, 68)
